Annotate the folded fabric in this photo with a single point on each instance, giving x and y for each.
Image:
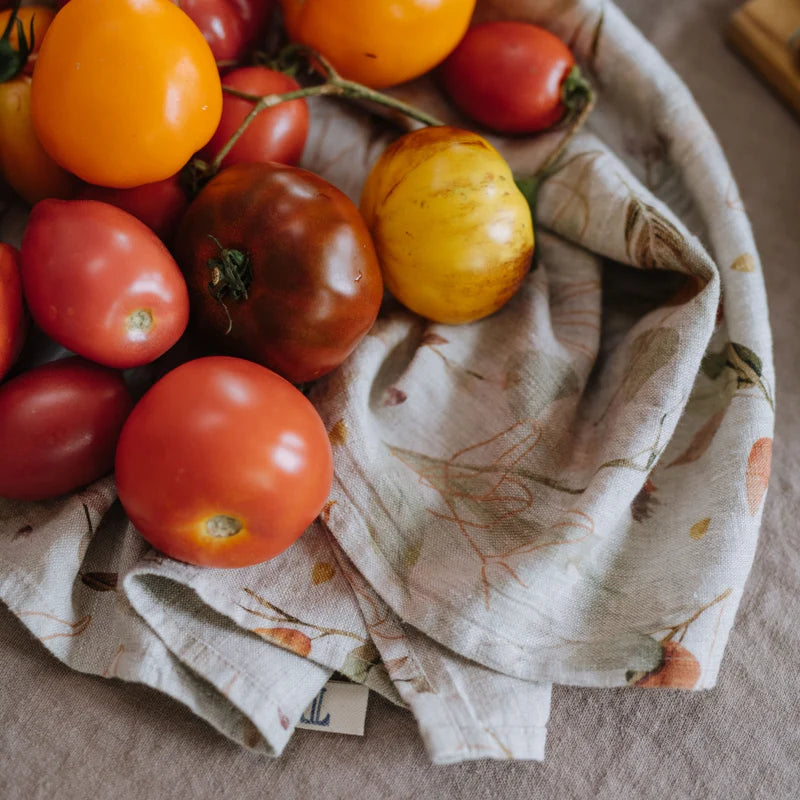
(567, 491)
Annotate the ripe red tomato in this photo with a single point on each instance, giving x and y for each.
(509, 76)
(290, 278)
(223, 463)
(59, 425)
(13, 322)
(101, 283)
(221, 25)
(231, 27)
(276, 134)
(159, 205)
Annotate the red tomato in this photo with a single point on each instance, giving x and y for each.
(101, 283)
(509, 76)
(13, 322)
(276, 134)
(59, 425)
(159, 205)
(223, 463)
(221, 25)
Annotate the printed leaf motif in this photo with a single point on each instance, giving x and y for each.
(394, 396)
(759, 464)
(338, 433)
(544, 377)
(713, 364)
(100, 581)
(433, 339)
(326, 511)
(679, 669)
(322, 572)
(288, 638)
(701, 441)
(744, 263)
(359, 661)
(651, 240)
(23, 533)
(642, 505)
(651, 351)
(746, 363)
(699, 529)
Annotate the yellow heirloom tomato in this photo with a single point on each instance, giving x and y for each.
(453, 233)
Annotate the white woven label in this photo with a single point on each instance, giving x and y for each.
(339, 707)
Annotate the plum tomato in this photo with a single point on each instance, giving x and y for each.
(281, 269)
(223, 463)
(125, 91)
(59, 425)
(276, 134)
(101, 283)
(453, 233)
(512, 77)
(13, 321)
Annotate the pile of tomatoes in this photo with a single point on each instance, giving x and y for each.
(171, 227)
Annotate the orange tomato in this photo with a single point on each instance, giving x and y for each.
(41, 17)
(376, 42)
(125, 91)
(24, 164)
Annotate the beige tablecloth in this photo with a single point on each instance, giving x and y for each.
(67, 735)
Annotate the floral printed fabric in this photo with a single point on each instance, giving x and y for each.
(568, 491)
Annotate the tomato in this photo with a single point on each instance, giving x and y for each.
(290, 278)
(13, 322)
(125, 91)
(59, 425)
(276, 134)
(221, 26)
(375, 42)
(101, 283)
(223, 463)
(24, 164)
(159, 205)
(509, 76)
(453, 233)
(41, 17)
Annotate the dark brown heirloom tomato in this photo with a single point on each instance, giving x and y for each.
(281, 269)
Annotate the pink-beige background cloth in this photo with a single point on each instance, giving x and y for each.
(59, 728)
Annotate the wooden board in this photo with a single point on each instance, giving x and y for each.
(767, 33)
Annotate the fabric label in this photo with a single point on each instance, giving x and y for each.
(340, 707)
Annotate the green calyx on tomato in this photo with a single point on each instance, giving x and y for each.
(231, 275)
(13, 59)
(576, 91)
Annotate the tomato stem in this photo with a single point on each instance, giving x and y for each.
(334, 85)
(13, 59)
(231, 274)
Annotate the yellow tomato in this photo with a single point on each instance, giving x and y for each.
(24, 164)
(376, 42)
(453, 233)
(125, 91)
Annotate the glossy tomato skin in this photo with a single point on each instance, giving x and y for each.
(316, 285)
(223, 463)
(100, 282)
(379, 43)
(221, 25)
(508, 76)
(276, 134)
(24, 163)
(13, 322)
(453, 233)
(125, 91)
(159, 205)
(59, 425)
